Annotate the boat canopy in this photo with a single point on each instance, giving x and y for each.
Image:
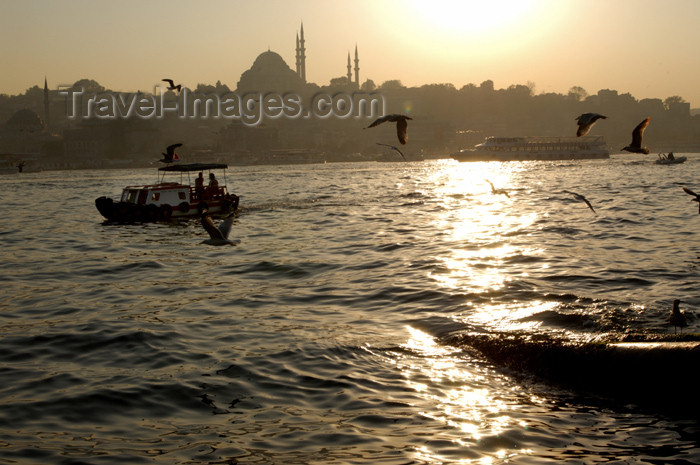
(194, 167)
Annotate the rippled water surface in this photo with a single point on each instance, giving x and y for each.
(324, 336)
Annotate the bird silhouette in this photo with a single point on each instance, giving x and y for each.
(401, 125)
(395, 148)
(696, 199)
(581, 198)
(586, 122)
(174, 87)
(497, 191)
(636, 144)
(217, 235)
(677, 318)
(170, 154)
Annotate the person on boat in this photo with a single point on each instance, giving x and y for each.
(199, 185)
(670, 156)
(213, 187)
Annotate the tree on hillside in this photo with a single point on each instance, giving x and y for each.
(393, 84)
(486, 86)
(669, 101)
(339, 82)
(577, 94)
(368, 86)
(89, 86)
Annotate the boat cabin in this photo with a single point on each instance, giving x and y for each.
(160, 194)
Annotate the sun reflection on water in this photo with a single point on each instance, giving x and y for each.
(461, 398)
(482, 228)
(513, 316)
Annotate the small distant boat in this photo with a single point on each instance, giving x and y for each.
(663, 160)
(536, 148)
(164, 201)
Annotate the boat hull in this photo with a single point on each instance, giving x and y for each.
(126, 212)
(666, 161)
(535, 148)
(507, 156)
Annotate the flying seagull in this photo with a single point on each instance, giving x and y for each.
(497, 191)
(177, 88)
(217, 235)
(677, 318)
(395, 148)
(581, 198)
(696, 199)
(636, 144)
(586, 122)
(401, 125)
(170, 154)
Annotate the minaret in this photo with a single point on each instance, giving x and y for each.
(357, 68)
(349, 70)
(297, 57)
(302, 54)
(47, 114)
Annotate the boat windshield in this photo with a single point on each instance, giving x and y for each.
(129, 195)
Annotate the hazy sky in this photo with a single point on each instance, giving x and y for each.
(648, 48)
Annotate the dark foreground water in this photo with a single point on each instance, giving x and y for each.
(334, 332)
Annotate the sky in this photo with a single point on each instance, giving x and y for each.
(648, 48)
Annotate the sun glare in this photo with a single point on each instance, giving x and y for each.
(472, 17)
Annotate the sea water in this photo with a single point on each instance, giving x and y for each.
(323, 337)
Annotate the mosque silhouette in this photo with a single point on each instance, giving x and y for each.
(270, 72)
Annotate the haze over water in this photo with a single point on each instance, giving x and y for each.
(636, 46)
(323, 337)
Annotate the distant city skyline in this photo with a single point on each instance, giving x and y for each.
(639, 47)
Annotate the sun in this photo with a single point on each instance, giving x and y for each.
(475, 18)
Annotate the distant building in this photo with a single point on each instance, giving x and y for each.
(270, 73)
(679, 109)
(237, 137)
(651, 106)
(93, 142)
(89, 141)
(25, 133)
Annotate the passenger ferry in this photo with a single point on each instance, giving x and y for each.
(164, 201)
(535, 148)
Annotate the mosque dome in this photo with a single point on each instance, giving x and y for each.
(269, 61)
(269, 73)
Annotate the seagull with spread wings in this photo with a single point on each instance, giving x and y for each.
(170, 156)
(217, 235)
(174, 87)
(394, 148)
(696, 199)
(401, 125)
(636, 144)
(586, 122)
(497, 191)
(582, 199)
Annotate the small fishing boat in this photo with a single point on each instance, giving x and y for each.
(164, 201)
(669, 160)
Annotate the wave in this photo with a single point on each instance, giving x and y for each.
(639, 368)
